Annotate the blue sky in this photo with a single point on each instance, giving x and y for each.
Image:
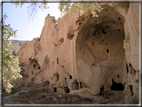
(28, 28)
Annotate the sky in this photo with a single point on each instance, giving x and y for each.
(28, 27)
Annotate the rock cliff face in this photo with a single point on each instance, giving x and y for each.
(17, 45)
(82, 54)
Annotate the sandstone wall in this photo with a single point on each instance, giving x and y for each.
(86, 54)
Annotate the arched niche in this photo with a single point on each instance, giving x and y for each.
(99, 49)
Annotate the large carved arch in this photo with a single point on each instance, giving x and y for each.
(100, 56)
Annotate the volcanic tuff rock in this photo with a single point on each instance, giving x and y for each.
(81, 54)
(17, 45)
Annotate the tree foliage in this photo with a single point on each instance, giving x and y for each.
(93, 7)
(65, 6)
(11, 69)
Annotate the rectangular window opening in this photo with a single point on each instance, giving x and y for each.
(57, 60)
(93, 43)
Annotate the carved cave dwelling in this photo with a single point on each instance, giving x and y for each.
(79, 54)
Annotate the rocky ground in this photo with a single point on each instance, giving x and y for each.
(37, 94)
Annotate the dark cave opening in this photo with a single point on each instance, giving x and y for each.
(127, 68)
(117, 86)
(70, 77)
(70, 33)
(70, 37)
(131, 88)
(67, 90)
(81, 86)
(55, 89)
(119, 18)
(30, 59)
(93, 43)
(107, 50)
(104, 32)
(107, 26)
(101, 90)
(34, 65)
(94, 34)
(57, 60)
(132, 71)
(43, 96)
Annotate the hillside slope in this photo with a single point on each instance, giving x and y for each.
(17, 45)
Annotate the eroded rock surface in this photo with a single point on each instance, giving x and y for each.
(17, 45)
(80, 54)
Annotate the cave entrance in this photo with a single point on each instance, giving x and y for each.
(56, 77)
(70, 77)
(66, 90)
(34, 64)
(101, 91)
(32, 70)
(100, 43)
(55, 89)
(117, 86)
(81, 86)
(75, 85)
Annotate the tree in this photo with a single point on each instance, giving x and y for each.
(92, 7)
(65, 6)
(11, 69)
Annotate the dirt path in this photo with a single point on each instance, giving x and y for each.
(6, 99)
